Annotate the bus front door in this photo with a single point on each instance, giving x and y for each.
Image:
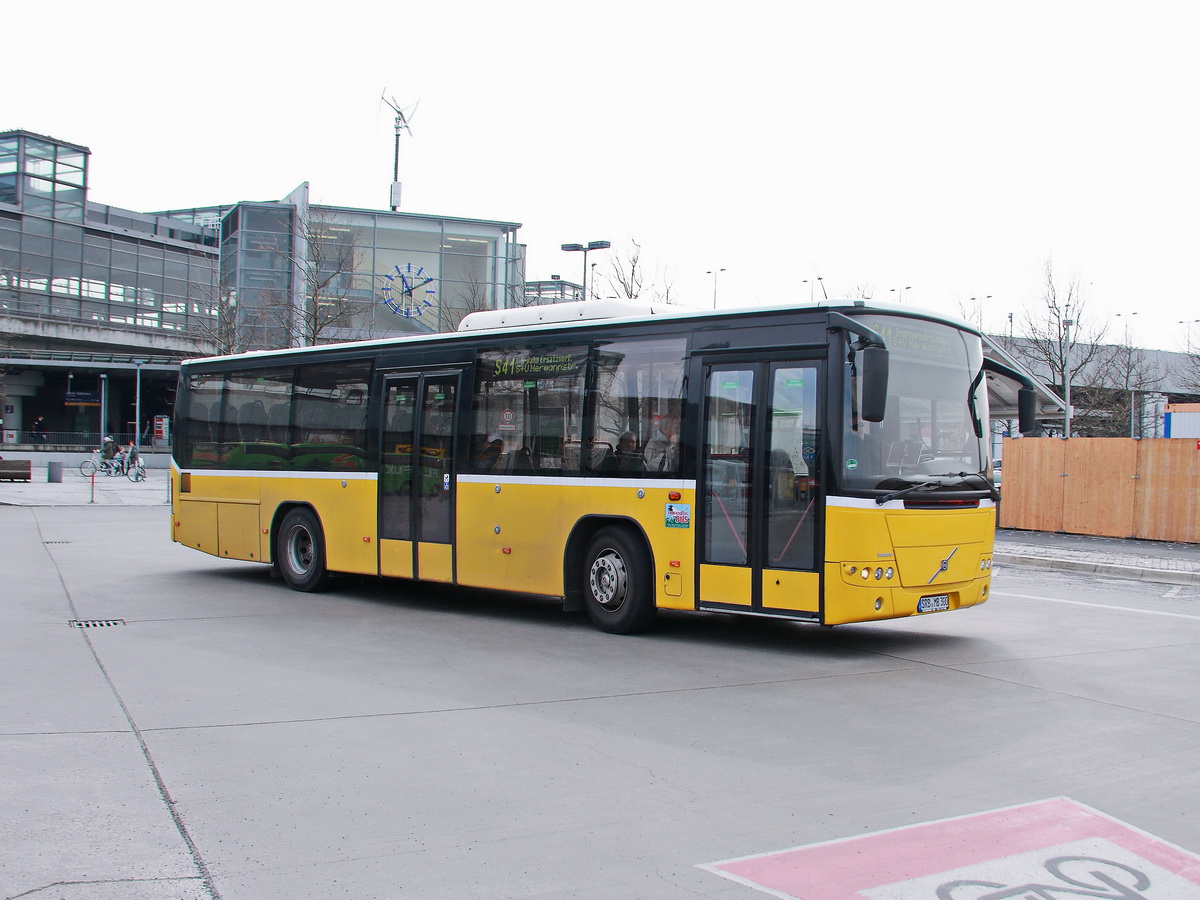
(759, 519)
(416, 478)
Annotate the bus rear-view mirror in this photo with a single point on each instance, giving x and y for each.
(1027, 410)
(874, 383)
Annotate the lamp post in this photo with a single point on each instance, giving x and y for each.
(103, 404)
(1189, 323)
(1067, 323)
(978, 311)
(591, 245)
(1128, 349)
(714, 273)
(899, 292)
(137, 406)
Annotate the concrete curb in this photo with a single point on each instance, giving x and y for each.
(1132, 573)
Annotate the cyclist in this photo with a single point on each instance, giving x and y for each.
(110, 453)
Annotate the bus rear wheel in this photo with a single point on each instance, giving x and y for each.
(617, 591)
(300, 551)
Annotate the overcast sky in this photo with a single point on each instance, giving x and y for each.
(953, 147)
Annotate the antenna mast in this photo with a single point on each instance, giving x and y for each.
(401, 125)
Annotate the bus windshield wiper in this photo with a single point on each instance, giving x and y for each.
(991, 488)
(933, 485)
(892, 495)
(987, 485)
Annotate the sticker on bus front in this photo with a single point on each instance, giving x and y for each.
(679, 515)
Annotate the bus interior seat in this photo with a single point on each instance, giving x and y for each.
(277, 423)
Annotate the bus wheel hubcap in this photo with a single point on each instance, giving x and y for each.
(302, 550)
(609, 580)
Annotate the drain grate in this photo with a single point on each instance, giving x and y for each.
(56, 542)
(95, 623)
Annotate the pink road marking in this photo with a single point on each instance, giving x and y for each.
(839, 870)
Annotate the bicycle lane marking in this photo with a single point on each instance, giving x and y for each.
(1051, 849)
(1132, 609)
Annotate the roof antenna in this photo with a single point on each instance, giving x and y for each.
(402, 124)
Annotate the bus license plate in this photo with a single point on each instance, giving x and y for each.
(935, 603)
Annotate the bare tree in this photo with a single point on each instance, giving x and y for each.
(864, 291)
(1111, 401)
(972, 311)
(1060, 336)
(471, 296)
(212, 315)
(627, 276)
(1190, 376)
(319, 257)
(325, 260)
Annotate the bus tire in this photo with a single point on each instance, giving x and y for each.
(300, 551)
(617, 582)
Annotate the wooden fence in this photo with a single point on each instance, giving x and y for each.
(1116, 487)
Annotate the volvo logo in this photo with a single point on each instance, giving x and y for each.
(944, 566)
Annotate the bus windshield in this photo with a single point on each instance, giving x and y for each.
(935, 427)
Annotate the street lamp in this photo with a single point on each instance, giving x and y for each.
(592, 245)
(1129, 373)
(137, 406)
(978, 312)
(1067, 323)
(714, 273)
(103, 403)
(1189, 323)
(899, 292)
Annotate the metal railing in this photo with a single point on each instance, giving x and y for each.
(69, 440)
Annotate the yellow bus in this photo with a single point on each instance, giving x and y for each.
(826, 463)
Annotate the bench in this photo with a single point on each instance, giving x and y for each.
(15, 470)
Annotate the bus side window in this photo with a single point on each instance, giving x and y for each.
(639, 382)
(531, 396)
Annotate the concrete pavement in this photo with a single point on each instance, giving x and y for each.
(77, 490)
(1157, 561)
(174, 725)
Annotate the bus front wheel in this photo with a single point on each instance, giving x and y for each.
(617, 587)
(300, 551)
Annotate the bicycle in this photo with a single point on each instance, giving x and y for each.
(96, 463)
(136, 471)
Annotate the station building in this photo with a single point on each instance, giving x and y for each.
(99, 304)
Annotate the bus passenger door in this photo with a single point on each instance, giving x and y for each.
(416, 479)
(760, 522)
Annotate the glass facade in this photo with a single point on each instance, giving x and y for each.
(82, 280)
(323, 273)
(62, 259)
(45, 176)
(238, 277)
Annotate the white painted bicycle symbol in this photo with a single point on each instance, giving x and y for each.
(1078, 876)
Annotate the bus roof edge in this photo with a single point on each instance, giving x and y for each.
(557, 312)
